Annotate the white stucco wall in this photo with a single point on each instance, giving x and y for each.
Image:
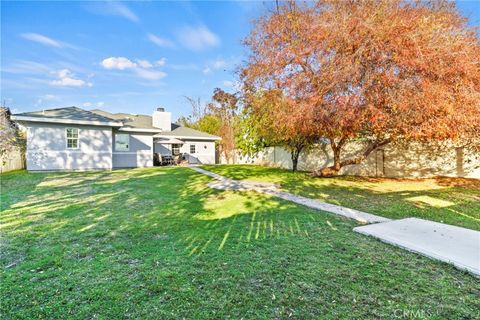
(140, 153)
(204, 150)
(47, 150)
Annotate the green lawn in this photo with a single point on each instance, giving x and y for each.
(158, 243)
(452, 201)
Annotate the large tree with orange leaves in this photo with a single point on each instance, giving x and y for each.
(374, 71)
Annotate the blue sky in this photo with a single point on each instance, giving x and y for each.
(125, 56)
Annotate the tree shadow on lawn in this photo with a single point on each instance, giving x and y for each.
(447, 200)
(160, 243)
(451, 205)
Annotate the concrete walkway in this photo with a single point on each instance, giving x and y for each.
(455, 245)
(443, 242)
(223, 183)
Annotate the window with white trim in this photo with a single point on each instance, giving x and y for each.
(72, 138)
(175, 149)
(192, 148)
(122, 142)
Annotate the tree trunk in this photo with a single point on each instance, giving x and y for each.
(338, 163)
(295, 155)
(332, 170)
(294, 161)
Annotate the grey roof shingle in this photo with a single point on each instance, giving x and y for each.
(142, 121)
(180, 131)
(70, 113)
(138, 121)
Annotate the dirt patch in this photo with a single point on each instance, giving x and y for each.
(458, 182)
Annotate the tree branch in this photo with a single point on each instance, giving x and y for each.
(368, 150)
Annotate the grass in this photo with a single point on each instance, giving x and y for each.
(157, 243)
(447, 200)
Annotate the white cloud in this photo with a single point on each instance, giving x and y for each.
(46, 97)
(27, 67)
(50, 97)
(214, 65)
(159, 41)
(198, 38)
(47, 41)
(184, 67)
(120, 63)
(111, 8)
(140, 67)
(150, 74)
(161, 62)
(228, 83)
(38, 102)
(124, 11)
(91, 104)
(144, 64)
(236, 85)
(67, 79)
(35, 37)
(219, 64)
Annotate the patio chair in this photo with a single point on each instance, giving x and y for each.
(166, 160)
(178, 159)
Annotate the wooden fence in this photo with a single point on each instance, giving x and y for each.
(11, 161)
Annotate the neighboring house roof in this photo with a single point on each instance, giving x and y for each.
(185, 132)
(72, 115)
(125, 122)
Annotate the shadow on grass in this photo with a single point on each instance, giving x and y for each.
(132, 203)
(158, 243)
(447, 200)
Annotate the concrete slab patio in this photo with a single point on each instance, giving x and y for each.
(447, 243)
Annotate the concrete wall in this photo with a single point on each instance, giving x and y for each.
(140, 153)
(46, 147)
(412, 161)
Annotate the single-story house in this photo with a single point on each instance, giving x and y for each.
(76, 139)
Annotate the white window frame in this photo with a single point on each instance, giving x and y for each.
(194, 148)
(176, 146)
(128, 142)
(77, 139)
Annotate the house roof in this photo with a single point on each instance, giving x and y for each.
(127, 122)
(168, 140)
(138, 121)
(68, 115)
(185, 132)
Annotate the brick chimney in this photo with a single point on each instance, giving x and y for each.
(162, 119)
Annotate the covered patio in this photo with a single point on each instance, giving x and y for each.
(167, 151)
